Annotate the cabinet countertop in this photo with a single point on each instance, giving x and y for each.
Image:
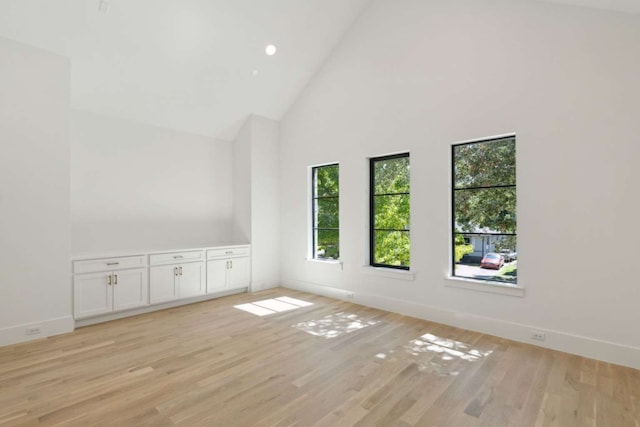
(112, 253)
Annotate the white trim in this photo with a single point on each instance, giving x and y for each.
(319, 165)
(557, 340)
(484, 286)
(320, 289)
(82, 256)
(155, 307)
(329, 262)
(17, 334)
(390, 273)
(485, 139)
(392, 153)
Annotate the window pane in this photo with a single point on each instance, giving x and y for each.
(327, 181)
(471, 268)
(491, 210)
(392, 212)
(327, 211)
(483, 213)
(392, 248)
(485, 164)
(391, 176)
(327, 244)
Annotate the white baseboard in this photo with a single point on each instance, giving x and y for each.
(557, 340)
(156, 307)
(45, 328)
(261, 285)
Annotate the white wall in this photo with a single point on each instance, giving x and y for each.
(420, 75)
(135, 186)
(242, 180)
(35, 288)
(265, 206)
(256, 197)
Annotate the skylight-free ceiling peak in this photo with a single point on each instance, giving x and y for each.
(186, 65)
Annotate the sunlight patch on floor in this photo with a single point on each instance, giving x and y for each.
(335, 325)
(273, 305)
(434, 354)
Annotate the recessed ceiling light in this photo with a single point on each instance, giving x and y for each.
(254, 72)
(271, 50)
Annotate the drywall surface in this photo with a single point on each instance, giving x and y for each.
(35, 288)
(419, 76)
(265, 203)
(242, 180)
(135, 186)
(256, 200)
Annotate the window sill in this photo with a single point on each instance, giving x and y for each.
(333, 262)
(484, 286)
(391, 273)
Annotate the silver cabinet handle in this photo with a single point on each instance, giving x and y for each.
(115, 281)
(109, 280)
(175, 271)
(231, 264)
(178, 257)
(228, 252)
(181, 271)
(113, 263)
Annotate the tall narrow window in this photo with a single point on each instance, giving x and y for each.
(326, 212)
(389, 209)
(484, 210)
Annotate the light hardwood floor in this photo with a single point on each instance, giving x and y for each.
(328, 364)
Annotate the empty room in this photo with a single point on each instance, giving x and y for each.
(313, 213)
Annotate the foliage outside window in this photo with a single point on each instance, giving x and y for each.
(484, 208)
(326, 212)
(390, 239)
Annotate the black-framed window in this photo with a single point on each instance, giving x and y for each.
(389, 211)
(484, 223)
(325, 208)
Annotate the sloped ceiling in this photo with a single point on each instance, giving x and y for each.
(628, 6)
(193, 65)
(184, 64)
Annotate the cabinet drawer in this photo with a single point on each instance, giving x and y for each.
(175, 257)
(108, 264)
(227, 252)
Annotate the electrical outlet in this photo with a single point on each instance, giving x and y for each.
(33, 330)
(538, 336)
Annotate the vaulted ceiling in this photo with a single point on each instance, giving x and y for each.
(184, 64)
(192, 65)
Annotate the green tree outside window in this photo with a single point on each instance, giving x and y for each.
(390, 211)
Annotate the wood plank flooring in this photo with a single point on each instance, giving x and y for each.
(331, 363)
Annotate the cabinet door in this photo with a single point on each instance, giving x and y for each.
(163, 282)
(217, 275)
(239, 273)
(92, 295)
(130, 289)
(191, 279)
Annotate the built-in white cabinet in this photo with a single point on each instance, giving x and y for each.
(111, 283)
(228, 268)
(176, 275)
(102, 286)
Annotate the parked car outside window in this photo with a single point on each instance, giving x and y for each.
(508, 255)
(492, 260)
